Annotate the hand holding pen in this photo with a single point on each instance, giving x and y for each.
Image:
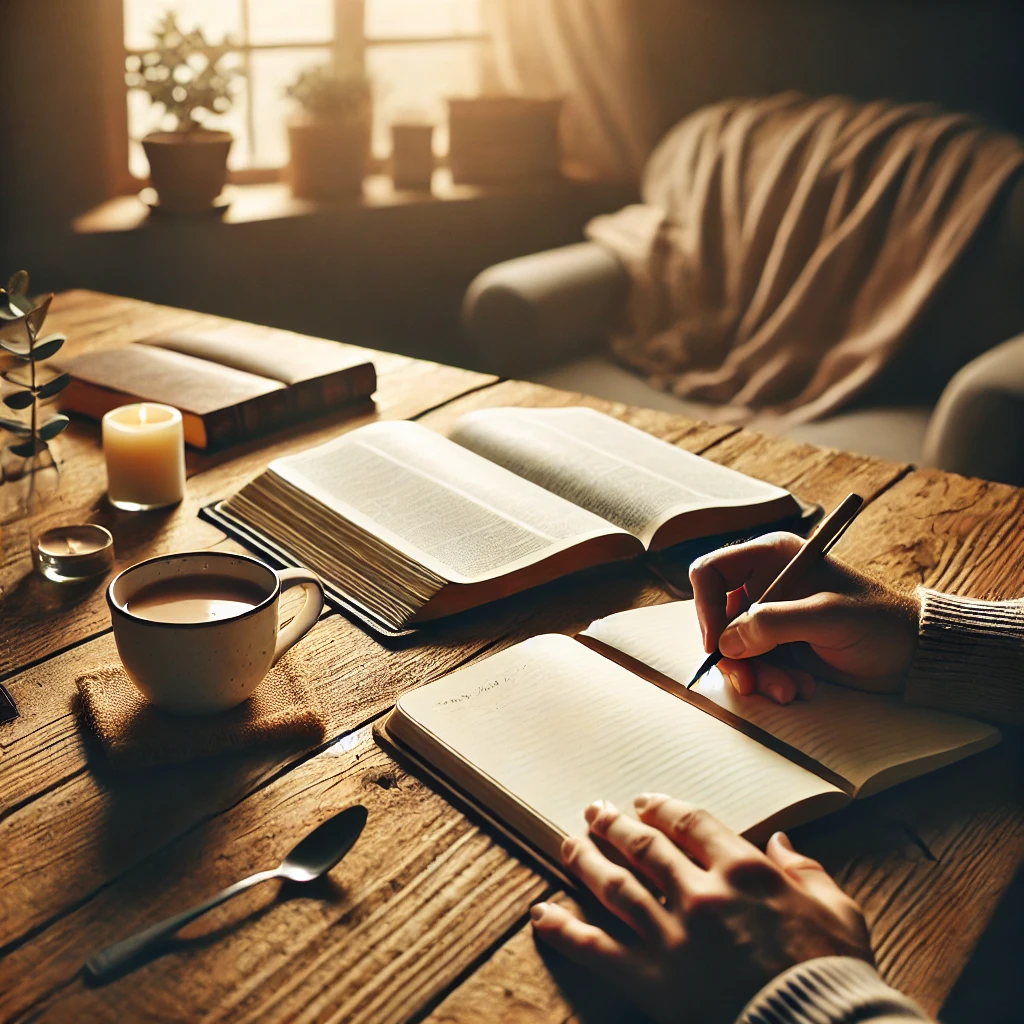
(830, 621)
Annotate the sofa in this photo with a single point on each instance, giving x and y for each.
(953, 398)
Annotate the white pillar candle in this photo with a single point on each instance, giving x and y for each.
(144, 446)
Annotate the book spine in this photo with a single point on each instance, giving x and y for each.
(294, 404)
(321, 394)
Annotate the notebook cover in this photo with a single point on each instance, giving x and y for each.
(399, 752)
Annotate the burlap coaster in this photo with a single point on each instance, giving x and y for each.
(134, 734)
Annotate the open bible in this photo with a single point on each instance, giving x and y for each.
(412, 526)
(532, 735)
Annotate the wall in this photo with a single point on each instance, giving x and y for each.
(394, 276)
(964, 54)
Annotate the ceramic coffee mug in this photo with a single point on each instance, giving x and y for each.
(201, 668)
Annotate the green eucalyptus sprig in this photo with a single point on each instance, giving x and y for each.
(21, 323)
(188, 76)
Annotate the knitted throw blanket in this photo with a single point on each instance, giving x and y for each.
(786, 247)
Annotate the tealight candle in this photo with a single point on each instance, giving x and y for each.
(66, 554)
(144, 446)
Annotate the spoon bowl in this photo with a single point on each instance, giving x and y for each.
(315, 854)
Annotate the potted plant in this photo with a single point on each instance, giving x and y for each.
(192, 80)
(330, 138)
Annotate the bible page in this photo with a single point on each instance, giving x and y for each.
(457, 514)
(558, 726)
(868, 740)
(617, 472)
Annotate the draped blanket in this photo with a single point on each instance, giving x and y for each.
(786, 247)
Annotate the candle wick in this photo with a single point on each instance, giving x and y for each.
(142, 413)
(74, 547)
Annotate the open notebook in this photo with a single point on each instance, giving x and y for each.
(535, 733)
(412, 526)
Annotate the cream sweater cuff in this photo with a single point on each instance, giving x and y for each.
(830, 990)
(970, 657)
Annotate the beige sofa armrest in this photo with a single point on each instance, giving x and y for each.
(543, 309)
(977, 428)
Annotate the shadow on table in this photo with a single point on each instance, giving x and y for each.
(239, 912)
(593, 1000)
(144, 810)
(991, 988)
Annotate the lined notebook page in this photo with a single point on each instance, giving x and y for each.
(869, 740)
(559, 726)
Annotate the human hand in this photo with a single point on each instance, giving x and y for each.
(722, 921)
(839, 624)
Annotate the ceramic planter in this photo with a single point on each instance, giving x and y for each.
(328, 156)
(187, 169)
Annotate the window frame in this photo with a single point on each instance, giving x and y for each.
(348, 47)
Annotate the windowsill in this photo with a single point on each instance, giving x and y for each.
(250, 203)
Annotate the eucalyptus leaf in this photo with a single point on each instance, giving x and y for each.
(38, 315)
(55, 386)
(23, 304)
(52, 427)
(46, 347)
(18, 284)
(27, 448)
(8, 311)
(19, 351)
(19, 399)
(15, 426)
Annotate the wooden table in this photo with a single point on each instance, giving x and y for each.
(426, 917)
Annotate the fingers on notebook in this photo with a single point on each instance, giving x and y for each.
(692, 829)
(618, 889)
(582, 943)
(647, 849)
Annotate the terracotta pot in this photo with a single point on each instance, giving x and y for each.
(328, 157)
(187, 169)
(503, 138)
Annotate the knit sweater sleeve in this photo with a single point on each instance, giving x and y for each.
(970, 658)
(831, 990)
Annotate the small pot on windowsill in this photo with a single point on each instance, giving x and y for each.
(187, 169)
(329, 155)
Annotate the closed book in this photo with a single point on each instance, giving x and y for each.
(230, 384)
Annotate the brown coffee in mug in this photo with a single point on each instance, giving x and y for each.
(198, 631)
(196, 598)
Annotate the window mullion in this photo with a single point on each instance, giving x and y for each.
(250, 105)
(349, 37)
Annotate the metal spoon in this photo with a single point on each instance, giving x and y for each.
(313, 857)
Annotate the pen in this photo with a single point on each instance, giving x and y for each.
(817, 545)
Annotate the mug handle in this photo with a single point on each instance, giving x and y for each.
(310, 611)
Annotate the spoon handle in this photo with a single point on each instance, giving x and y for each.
(112, 960)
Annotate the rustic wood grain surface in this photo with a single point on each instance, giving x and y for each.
(426, 917)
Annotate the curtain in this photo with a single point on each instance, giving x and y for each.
(589, 52)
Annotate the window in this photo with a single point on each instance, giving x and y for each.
(416, 52)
